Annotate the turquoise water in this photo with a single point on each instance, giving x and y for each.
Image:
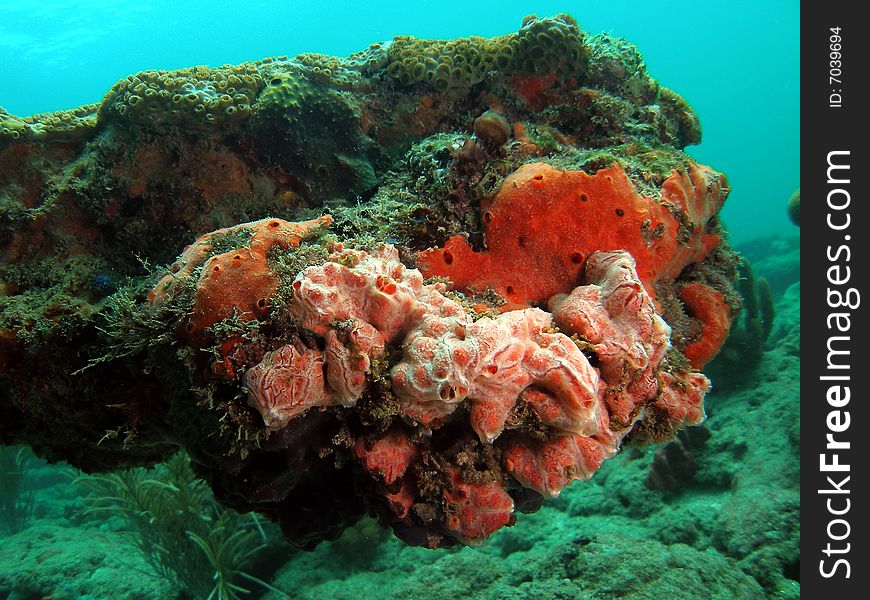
(736, 63)
(718, 520)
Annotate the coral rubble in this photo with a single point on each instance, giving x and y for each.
(434, 281)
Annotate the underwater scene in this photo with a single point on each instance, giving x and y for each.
(425, 300)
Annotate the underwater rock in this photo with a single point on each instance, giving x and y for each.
(794, 207)
(674, 464)
(578, 277)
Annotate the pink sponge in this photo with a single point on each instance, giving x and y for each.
(286, 383)
(616, 316)
(548, 465)
(475, 510)
(361, 302)
(489, 362)
(542, 414)
(388, 457)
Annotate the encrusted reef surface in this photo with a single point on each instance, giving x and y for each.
(434, 281)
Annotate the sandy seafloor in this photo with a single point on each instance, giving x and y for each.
(729, 531)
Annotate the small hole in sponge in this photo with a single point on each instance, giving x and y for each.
(487, 217)
(510, 290)
(584, 198)
(448, 257)
(261, 303)
(447, 393)
(576, 258)
(274, 224)
(538, 177)
(620, 212)
(216, 269)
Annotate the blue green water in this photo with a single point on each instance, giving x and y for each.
(737, 63)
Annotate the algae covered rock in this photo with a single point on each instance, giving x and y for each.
(47, 561)
(452, 201)
(794, 207)
(314, 133)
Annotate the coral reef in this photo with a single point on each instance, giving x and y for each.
(66, 125)
(443, 279)
(731, 529)
(313, 133)
(527, 392)
(194, 98)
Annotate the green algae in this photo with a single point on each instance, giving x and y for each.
(16, 502)
(189, 539)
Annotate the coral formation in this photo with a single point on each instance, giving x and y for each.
(194, 98)
(467, 271)
(552, 45)
(70, 125)
(313, 132)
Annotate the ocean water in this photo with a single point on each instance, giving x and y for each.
(728, 529)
